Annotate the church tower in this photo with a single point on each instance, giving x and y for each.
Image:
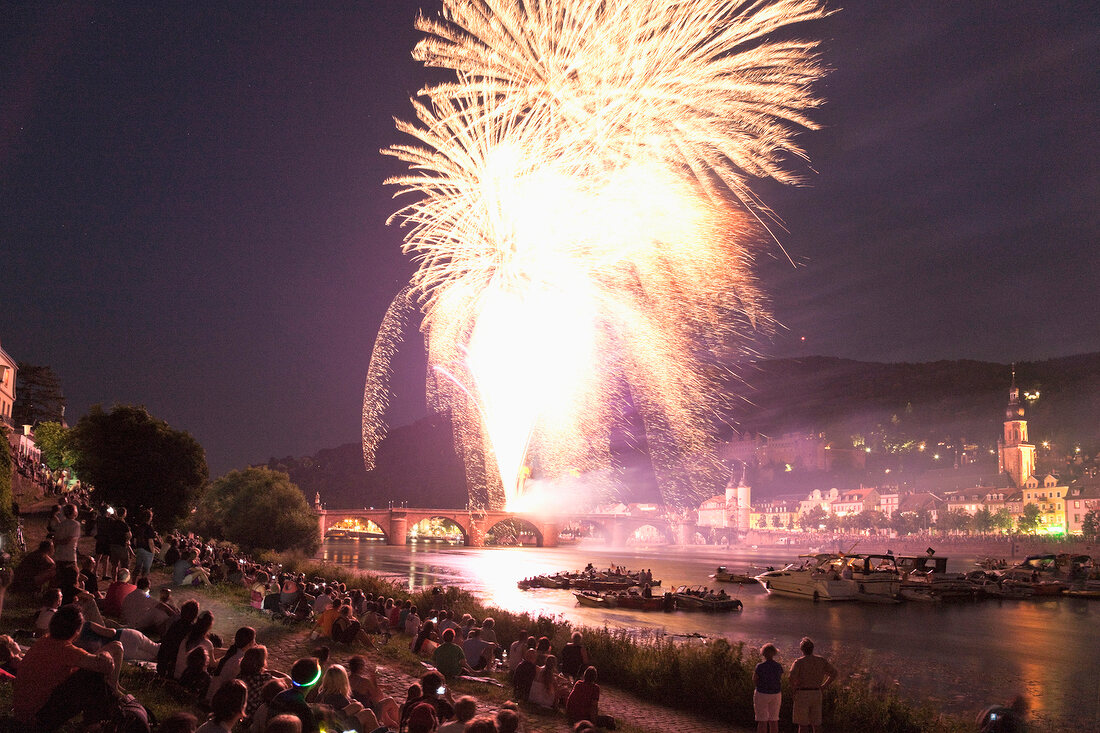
(738, 499)
(1015, 456)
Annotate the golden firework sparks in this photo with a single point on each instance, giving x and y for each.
(583, 223)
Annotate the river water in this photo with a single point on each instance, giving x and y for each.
(959, 656)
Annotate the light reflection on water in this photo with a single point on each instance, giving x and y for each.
(960, 656)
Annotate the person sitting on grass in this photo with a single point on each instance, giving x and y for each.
(170, 641)
(51, 601)
(304, 676)
(584, 701)
(549, 688)
(195, 677)
(479, 653)
(508, 719)
(433, 692)
(267, 694)
(365, 689)
(230, 664)
(116, 593)
(36, 570)
(199, 635)
(426, 639)
(57, 680)
(465, 710)
(482, 724)
(448, 657)
(255, 675)
(226, 708)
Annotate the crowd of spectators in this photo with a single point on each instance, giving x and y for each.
(98, 611)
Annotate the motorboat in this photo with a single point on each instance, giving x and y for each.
(591, 599)
(701, 598)
(724, 575)
(817, 577)
(925, 578)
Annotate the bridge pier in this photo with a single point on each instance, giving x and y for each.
(684, 533)
(550, 533)
(398, 532)
(475, 534)
(618, 533)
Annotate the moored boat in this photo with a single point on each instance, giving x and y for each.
(591, 599)
(700, 598)
(815, 578)
(723, 575)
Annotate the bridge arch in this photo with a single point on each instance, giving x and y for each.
(510, 531)
(428, 526)
(648, 532)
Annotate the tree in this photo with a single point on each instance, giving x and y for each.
(813, 519)
(955, 520)
(1029, 518)
(983, 520)
(135, 460)
(54, 442)
(38, 396)
(7, 519)
(776, 521)
(1090, 527)
(258, 508)
(1002, 520)
(762, 522)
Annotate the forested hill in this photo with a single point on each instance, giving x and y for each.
(956, 398)
(843, 398)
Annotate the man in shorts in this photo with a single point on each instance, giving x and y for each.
(810, 674)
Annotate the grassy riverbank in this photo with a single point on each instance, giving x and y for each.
(712, 677)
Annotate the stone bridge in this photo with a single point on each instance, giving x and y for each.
(474, 525)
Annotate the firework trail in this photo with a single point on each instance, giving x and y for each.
(583, 223)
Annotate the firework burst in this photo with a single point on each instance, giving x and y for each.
(583, 224)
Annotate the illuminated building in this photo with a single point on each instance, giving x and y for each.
(8, 371)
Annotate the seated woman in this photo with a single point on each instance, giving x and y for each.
(198, 635)
(258, 591)
(255, 675)
(230, 664)
(426, 639)
(550, 688)
(226, 708)
(195, 677)
(335, 689)
(365, 689)
(584, 702)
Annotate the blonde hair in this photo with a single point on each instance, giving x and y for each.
(335, 682)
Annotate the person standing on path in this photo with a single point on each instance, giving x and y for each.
(67, 537)
(810, 674)
(767, 678)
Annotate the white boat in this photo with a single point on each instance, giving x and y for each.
(816, 577)
(876, 576)
(925, 578)
(835, 577)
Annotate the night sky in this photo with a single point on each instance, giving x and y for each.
(192, 214)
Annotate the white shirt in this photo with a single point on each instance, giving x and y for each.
(66, 539)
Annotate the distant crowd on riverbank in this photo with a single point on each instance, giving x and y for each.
(97, 612)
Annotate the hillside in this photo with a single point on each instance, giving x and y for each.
(891, 407)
